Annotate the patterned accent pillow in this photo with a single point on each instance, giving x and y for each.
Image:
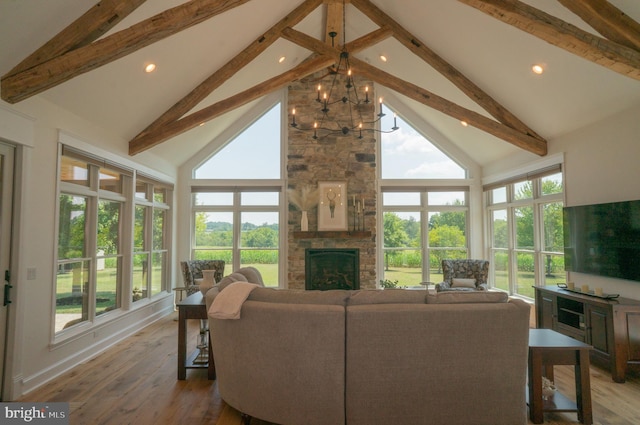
(457, 282)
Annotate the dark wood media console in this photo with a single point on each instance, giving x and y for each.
(611, 326)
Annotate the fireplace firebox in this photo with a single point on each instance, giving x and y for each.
(332, 268)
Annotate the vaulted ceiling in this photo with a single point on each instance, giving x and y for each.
(448, 61)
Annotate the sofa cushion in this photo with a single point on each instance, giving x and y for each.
(252, 274)
(458, 282)
(229, 279)
(294, 296)
(386, 296)
(465, 297)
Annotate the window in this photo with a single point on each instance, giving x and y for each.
(423, 222)
(407, 154)
(150, 247)
(72, 282)
(239, 226)
(109, 255)
(421, 228)
(96, 207)
(253, 154)
(525, 221)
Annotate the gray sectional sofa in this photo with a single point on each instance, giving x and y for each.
(372, 357)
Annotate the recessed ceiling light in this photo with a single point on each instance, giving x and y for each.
(537, 69)
(383, 58)
(282, 59)
(464, 123)
(150, 67)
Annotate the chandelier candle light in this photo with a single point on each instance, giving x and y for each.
(349, 122)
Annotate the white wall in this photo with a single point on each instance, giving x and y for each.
(601, 165)
(34, 126)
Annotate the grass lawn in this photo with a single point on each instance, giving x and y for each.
(411, 276)
(105, 291)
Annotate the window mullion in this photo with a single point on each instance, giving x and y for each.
(237, 229)
(92, 252)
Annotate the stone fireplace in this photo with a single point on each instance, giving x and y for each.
(345, 158)
(337, 268)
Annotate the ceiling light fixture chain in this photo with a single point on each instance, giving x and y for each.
(351, 122)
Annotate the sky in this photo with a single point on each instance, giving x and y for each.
(406, 154)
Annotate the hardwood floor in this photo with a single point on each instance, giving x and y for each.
(135, 382)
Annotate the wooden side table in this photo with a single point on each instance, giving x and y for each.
(546, 349)
(192, 307)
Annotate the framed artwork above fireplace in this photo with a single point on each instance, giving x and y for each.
(332, 205)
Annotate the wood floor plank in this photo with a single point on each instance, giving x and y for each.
(135, 382)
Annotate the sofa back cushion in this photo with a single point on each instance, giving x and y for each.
(296, 296)
(229, 279)
(283, 363)
(455, 364)
(386, 296)
(467, 297)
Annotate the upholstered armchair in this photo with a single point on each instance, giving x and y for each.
(464, 275)
(192, 270)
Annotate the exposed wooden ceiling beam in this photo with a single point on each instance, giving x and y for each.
(320, 48)
(412, 91)
(467, 86)
(29, 82)
(228, 70)
(314, 63)
(608, 20)
(609, 54)
(84, 30)
(194, 119)
(334, 15)
(425, 97)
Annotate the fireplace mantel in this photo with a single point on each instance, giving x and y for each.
(339, 234)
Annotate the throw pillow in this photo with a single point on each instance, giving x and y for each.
(463, 283)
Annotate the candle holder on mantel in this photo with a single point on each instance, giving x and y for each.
(354, 221)
(358, 218)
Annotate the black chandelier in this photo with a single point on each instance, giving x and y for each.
(351, 121)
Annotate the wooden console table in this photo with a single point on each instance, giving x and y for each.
(611, 326)
(192, 307)
(546, 349)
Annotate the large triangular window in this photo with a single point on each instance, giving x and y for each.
(407, 154)
(253, 154)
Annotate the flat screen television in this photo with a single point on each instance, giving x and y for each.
(603, 239)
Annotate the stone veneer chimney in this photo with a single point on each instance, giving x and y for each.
(332, 158)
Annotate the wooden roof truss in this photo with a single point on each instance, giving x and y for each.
(78, 49)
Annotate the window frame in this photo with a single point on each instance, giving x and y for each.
(424, 209)
(236, 208)
(537, 203)
(151, 205)
(94, 191)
